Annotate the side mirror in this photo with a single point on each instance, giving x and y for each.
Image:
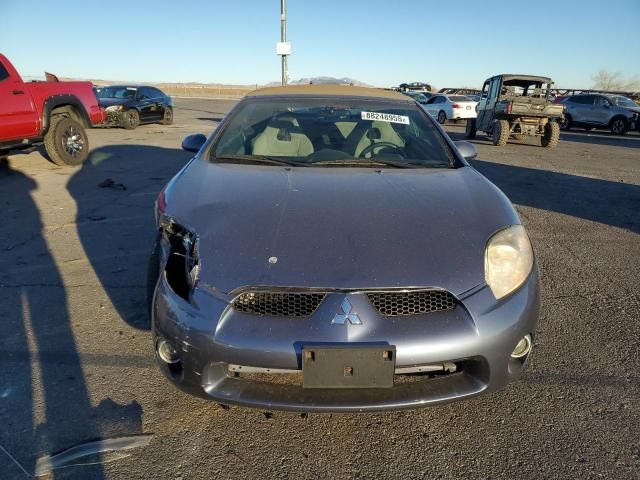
(466, 149)
(193, 143)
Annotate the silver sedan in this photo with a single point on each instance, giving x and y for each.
(329, 248)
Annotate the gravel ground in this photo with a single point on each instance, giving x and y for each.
(77, 362)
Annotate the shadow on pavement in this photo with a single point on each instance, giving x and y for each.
(611, 203)
(602, 138)
(115, 191)
(45, 405)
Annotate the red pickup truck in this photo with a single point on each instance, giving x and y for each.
(53, 113)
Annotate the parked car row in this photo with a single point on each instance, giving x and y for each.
(613, 112)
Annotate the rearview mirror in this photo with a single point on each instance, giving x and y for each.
(193, 143)
(466, 149)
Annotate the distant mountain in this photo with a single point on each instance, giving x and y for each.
(323, 80)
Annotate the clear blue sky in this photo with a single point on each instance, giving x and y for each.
(381, 42)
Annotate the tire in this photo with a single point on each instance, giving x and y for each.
(565, 123)
(619, 126)
(153, 275)
(167, 118)
(519, 136)
(442, 117)
(66, 142)
(551, 134)
(470, 128)
(130, 119)
(500, 133)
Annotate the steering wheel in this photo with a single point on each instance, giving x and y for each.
(373, 146)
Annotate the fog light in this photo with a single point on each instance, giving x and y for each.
(166, 352)
(522, 348)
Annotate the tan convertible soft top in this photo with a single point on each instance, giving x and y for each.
(337, 90)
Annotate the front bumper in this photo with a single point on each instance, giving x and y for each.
(478, 336)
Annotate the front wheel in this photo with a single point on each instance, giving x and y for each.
(500, 133)
(565, 123)
(442, 117)
(551, 135)
(66, 142)
(167, 119)
(619, 126)
(470, 129)
(130, 119)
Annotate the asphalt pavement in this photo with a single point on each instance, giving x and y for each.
(76, 360)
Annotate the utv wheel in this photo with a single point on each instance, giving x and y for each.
(167, 119)
(442, 117)
(519, 136)
(619, 126)
(66, 142)
(565, 123)
(500, 133)
(551, 135)
(131, 119)
(470, 128)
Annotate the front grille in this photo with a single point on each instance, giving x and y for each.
(393, 304)
(278, 304)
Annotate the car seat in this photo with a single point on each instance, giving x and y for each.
(282, 137)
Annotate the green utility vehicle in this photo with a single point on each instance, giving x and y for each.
(517, 106)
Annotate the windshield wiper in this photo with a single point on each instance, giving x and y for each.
(368, 162)
(260, 159)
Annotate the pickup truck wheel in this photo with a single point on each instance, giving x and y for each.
(500, 133)
(66, 142)
(167, 119)
(551, 135)
(442, 117)
(470, 129)
(619, 126)
(565, 123)
(130, 119)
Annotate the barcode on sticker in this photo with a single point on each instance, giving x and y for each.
(385, 117)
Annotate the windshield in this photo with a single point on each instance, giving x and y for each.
(117, 92)
(623, 102)
(312, 131)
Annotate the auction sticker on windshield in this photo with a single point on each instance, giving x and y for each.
(385, 117)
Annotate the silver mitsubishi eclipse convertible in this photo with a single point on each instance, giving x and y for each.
(329, 249)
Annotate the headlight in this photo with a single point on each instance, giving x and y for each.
(508, 260)
(114, 108)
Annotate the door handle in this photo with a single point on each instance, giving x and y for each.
(18, 92)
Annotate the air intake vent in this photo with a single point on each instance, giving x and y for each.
(278, 304)
(393, 304)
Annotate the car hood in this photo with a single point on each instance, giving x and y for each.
(342, 228)
(107, 102)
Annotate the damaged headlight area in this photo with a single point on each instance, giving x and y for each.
(182, 268)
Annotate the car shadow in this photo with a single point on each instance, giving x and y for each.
(595, 138)
(115, 191)
(602, 138)
(45, 405)
(603, 201)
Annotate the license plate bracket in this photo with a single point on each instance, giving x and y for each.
(353, 366)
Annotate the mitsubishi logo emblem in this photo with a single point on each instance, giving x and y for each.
(347, 314)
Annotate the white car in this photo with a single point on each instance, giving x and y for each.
(450, 107)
